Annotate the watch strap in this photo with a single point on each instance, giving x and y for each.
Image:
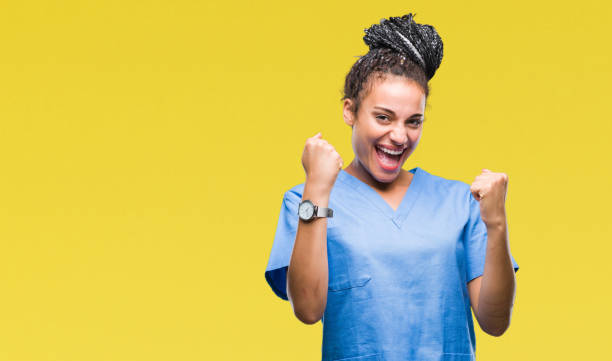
(323, 212)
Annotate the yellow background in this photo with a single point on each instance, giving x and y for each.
(145, 147)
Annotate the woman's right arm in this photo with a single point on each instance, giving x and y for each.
(307, 275)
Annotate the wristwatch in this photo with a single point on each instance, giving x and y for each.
(308, 211)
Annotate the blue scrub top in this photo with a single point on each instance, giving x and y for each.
(397, 279)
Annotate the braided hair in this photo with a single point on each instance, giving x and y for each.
(398, 46)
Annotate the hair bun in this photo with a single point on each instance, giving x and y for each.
(420, 42)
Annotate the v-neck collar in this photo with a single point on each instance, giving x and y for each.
(365, 190)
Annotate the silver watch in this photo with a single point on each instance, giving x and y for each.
(308, 211)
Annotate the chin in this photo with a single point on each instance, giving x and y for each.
(382, 172)
(385, 176)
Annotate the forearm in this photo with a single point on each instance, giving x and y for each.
(498, 285)
(307, 276)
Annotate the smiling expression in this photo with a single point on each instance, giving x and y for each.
(390, 116)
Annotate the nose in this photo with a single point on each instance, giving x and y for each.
(398, 134)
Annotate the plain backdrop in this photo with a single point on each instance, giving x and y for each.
(145, 147)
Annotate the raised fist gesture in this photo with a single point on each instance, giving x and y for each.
(321, 162)
(489, 189)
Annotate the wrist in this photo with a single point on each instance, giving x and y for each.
(498, 224)
(317, 193)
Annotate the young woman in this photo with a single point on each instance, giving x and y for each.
(393, 261)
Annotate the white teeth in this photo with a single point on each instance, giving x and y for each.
(390, 151)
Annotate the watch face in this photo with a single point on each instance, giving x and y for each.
(306, 210)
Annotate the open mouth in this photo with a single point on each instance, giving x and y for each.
(388, 159)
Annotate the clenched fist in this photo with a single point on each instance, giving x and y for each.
(321, 162)
(489, 189)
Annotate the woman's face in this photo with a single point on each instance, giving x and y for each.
(389, 117)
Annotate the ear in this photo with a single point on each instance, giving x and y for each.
(347, 113)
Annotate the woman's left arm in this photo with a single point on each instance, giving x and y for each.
(492, 294)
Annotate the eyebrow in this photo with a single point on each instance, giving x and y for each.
(393, 113)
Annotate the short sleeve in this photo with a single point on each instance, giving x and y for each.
(476, 242)
(282, 247)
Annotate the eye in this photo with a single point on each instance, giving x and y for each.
(385, 118)
(416, 122)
